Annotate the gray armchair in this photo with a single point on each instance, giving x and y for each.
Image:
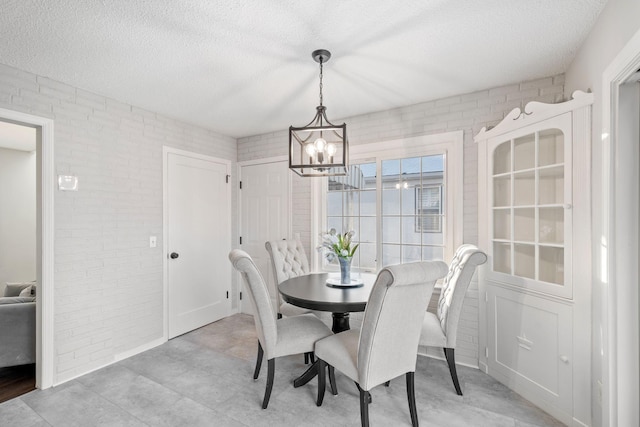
(441, 329)
(387, 344)
(276, 337)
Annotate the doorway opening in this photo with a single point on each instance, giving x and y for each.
(35, 246)
(17, 259)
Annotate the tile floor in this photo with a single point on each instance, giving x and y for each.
(204, 378)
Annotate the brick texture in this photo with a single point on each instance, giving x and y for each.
(108, 282)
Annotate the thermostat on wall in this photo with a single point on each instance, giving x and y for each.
(67, 183)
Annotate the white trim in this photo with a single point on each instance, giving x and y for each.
(275, 159)
(45, 319)
(165, 226)
(624, 65)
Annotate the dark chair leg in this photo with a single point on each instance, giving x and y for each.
(258, 361)
(411, 397)
(365, 399)
(332, 380)
(279, 316)
(387, 384)
(306, 358)
(312, 356)
(451, 361)
(322, 385)
(271, 367)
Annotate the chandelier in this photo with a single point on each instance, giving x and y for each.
(320, 148)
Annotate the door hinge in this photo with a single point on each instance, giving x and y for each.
(240, 239)
(241, 296)
(241, 185)
(227, 178)
(227, 294)
(486, 352)
(486, 297)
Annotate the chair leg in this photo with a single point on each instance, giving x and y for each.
(279, 316)
(322, 385)
(451, 361)
(312, 357)
(332, 380)
(411, 397)
(387, 384)
(271, 367)
(258, 361)
(365, 399)
(306, 358)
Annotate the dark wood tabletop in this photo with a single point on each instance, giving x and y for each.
(311, 291)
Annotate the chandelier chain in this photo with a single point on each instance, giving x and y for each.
(321, 81)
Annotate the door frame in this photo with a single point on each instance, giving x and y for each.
(45, 320)
(239, 166)
(615, 179)
(166, 150)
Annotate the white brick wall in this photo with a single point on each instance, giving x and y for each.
(108, 282)
(469, 113)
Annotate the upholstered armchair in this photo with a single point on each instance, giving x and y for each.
(440, 329)
(387, 345)
(276, 337)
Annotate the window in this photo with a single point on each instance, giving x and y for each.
(402, 203)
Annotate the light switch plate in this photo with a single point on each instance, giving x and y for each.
(153, 241)
(67, 183)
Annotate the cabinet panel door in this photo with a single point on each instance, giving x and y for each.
(529, 342)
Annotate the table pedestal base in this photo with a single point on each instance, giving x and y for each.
(340, 324)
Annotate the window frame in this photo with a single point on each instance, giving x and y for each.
(450, 144)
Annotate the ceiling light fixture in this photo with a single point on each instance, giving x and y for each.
(320, 148)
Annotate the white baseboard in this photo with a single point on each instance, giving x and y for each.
(117, 358)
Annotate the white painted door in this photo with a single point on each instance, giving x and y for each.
(198, 241)
(265, 214)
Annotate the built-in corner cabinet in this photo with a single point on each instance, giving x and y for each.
(534, 223)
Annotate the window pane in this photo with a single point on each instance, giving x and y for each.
(334, 203)
(391, 202)
(390, 255)
(391, 229)
(411, 253)
(368, 203)
(368, 257)
(351, 203)
(431, 253)
(334, 222)
(409, 233)
(391, 174)
(367, 229)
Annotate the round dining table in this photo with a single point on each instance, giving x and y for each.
(311, 291)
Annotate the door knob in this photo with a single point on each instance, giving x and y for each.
(174, 255)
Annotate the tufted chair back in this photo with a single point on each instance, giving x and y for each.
(454, 288)
(288, 260)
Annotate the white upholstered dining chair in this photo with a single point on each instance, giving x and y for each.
(288, 259)
(440, 329)
(387, 345)
(276, 337)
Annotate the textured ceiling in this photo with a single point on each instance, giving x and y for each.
(243, 67)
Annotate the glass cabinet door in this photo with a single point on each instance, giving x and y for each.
(530, 207)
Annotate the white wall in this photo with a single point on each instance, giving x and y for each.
(108, 282)
(617, 23)
(17, 216)
(469, 112)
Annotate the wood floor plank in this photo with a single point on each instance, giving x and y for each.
(16, 381)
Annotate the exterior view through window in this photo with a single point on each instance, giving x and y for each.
(395, 206)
